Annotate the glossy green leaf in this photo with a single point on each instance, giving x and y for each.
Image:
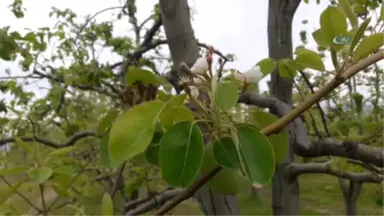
(136, 74)
(279, 141)
(256, 154)
(225, 153)
(320, 38)
(181, 154)
(347, 8)
(132, 132)
(267, 65)
(227, 181)
(359, 34)
(226, 96)
(107, 121)
(310, 60)
(175, 111)
(368, 46)
(333, 23)
(13, 170)
(107, 205)
(103, 151)
(40, 174)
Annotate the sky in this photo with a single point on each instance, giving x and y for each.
(240, 28)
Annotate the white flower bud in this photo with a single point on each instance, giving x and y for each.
(253, 75)
(200, 66)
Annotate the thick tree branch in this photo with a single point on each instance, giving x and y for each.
(296, 169)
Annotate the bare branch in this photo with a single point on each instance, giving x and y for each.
(296, 169)
(149, 203)
(71, 141)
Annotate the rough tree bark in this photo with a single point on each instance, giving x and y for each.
(285, 192)
(183, 48)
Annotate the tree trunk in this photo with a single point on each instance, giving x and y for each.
(285, 192)
(183, 48)
(350, 195)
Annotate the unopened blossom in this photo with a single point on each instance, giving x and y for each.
(200, 66)
(253, 75)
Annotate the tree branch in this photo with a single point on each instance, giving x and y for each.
(152, 202)
(71, 141)
(296, 169)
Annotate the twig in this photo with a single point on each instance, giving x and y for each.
(71, 141)
(119, 175)
(41, 186)
(296, 169)
(20, 194)
(322, 113)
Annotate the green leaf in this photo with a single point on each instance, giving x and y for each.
(347, 8)
(152, 152)
(320, 38)
(132, 132)
(358, 98)
(104, 152)
(175, 111)
(279, 141)
(310, 60)
(225, 153)
(227, 181)
(368, 46)
(136, 74)
(40, 174)
(107, 205)
(359, 34)
(333, 23)
(107, 121)
(256, 154)
(285, 70)
(181, 154)
(226, 96)
(13, 170)
(267, 65)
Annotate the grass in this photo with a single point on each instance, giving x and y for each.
(320, 195)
